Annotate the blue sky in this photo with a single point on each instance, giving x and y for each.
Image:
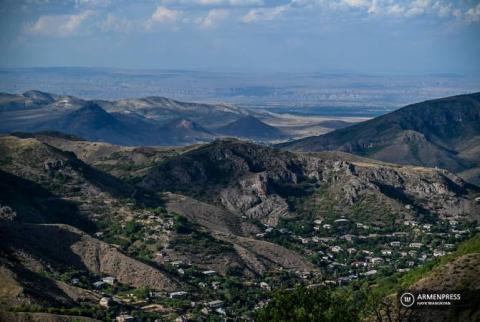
(363, 36)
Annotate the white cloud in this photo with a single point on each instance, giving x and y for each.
(57, 25)
(473, 14)
(232, 3)
(264, 14)
(163, 15)
(213, 17)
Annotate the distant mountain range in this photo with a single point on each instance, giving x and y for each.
(442, 133)
(148, 121)
(249, 127)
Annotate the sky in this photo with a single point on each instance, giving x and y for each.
(361, 36)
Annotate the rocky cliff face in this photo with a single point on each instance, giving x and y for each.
(256, 182)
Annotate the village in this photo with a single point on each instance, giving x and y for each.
(348, 250)
(344, 250)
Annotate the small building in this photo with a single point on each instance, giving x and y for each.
(376, 260)
(370, 272)
(319, 221)
(327, 226)
(336, 249)
(415, 245)
(215, 285)
(342, 221)
(110, 280)
(395, 244)
(359, 264)
(215, 304)
(386, 252)
(265, 286)
(125, 318)
(427, 226)
(177, 294)
(438, 253)
(106, 302)
(209, 272)
(98, 284)
(176, 263)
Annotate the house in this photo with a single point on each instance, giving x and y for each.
(386, 252)
(176, 263)
(75, 281)
(347, 237)
(438, 252)
(99, 234)
(209, 272)
(106, 302)
(403, 270)
(177, 294)
(98, 284)
(395, 244)
(215, 304)
(427, 226)
(342, 221)
(415, 245)
(215, 285)
(408, 207)
(110, 280)
(370, 272)
(359, 264)
(125, 318)
(268, 230)
(411, 263)
(265, 286)
(318, 222)
(351, 250)
(260, 235)
(376, 260)
(336, 249)
(453, 223)
(327, 226)
(449, 246)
